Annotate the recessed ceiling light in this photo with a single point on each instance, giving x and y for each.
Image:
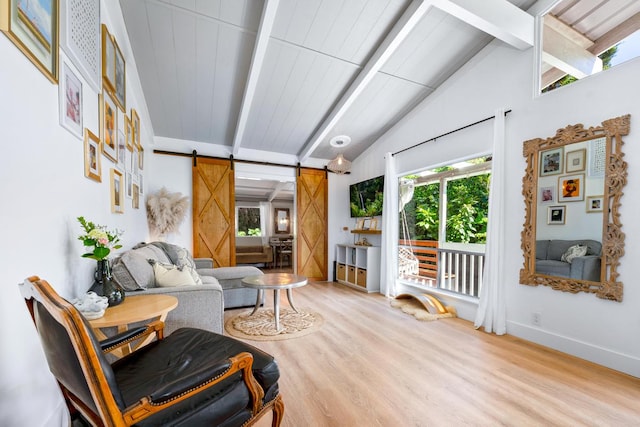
(340, 141)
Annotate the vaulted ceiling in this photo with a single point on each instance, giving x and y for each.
(287, 76)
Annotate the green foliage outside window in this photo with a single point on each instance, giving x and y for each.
(467, 210)
(249, 222)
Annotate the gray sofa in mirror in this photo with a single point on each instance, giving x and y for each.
(549, 259)
(200, 306)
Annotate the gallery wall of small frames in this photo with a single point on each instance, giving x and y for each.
(75, 27)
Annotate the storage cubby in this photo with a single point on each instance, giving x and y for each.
(358, 267)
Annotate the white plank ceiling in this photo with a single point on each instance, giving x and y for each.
(288, 75)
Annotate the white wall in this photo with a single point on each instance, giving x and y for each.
(44, 188)
(500, 76)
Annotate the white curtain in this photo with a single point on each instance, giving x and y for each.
(389, 247)
(492, 308)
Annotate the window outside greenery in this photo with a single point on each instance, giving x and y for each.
(467, 205)
(249, 222)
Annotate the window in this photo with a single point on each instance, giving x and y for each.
(249, 221)
(578, 41)
(443, 226)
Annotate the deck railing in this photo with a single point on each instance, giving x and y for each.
(449, 269)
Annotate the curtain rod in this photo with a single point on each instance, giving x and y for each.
(194, 154)
(448, 133)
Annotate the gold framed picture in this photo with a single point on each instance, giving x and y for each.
(576, 160)
(34, 31)
(108, 60)
(595, 204)
(109, 126)
(129, 133)
(135, 124)
(120, 77)
(92, 157)
(117, 191)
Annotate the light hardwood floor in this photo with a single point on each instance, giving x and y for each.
(372, 365)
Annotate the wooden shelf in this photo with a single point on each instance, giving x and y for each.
(366, 231)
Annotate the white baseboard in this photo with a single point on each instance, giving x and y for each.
(596, 354)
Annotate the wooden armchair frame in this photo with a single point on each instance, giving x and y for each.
(108, 412)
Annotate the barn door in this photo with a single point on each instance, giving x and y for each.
(214, 211)
(312, 214)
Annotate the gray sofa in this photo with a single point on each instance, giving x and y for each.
(200, 306)
(549, 254)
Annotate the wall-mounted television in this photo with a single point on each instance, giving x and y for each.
(366, 197)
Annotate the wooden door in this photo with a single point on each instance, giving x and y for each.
(214, 211)
(312, 215)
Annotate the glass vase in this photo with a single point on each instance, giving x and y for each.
(105, 286)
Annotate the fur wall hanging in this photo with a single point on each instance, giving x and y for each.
(165, 212)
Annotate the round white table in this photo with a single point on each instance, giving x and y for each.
(277, 282)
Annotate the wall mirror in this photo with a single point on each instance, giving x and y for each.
(572, 238)
(282, 221)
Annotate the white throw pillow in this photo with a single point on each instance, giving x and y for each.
(573, 252)
(168, 275)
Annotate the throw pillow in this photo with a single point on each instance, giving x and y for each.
(133, 272)
(169, 275)
(573, 252)
(186, 260)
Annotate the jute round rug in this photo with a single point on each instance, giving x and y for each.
(262, 327)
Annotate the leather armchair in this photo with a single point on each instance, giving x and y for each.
(192, 377)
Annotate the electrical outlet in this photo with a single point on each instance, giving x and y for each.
(536, 318)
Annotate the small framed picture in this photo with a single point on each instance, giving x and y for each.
(595, 204)
(547, 195)
(70, 94)
(92, 156)
(128, 182)
(551, 161)
(366, 224)
(576, 160)
(359, 224)
(135, 202)
(120, 77)
(129, 133)
(33, 28)
(135, 125)
(374, 224)
(117, 191)
(122, 150)
(140, 184)
(109, 126)
(571, 188)
(555, 215)
(108, 60)
(141, 158)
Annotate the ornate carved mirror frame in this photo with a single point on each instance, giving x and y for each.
(615, 179)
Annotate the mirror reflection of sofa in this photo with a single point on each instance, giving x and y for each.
(549, 259)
